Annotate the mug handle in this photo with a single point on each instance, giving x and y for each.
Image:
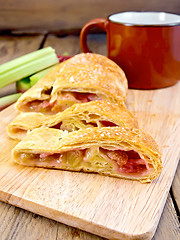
(97, 22)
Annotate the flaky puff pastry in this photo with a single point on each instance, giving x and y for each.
(82, 78)
(113, 151)
(84, 115)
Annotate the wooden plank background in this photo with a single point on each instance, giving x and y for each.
(18, 224)
(55, 15)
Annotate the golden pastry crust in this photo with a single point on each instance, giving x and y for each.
(109, 138)
(83, 73)
(94, 72)
(91, 114)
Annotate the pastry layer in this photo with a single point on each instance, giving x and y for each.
(83, 78)
(113, 151)
(78, 116)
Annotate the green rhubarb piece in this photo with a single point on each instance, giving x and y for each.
(65, 54)
(37, 76)
(27, 65)
(23, 85)
(8, 100)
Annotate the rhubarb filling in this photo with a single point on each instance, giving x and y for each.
(64, 100)
(94, 159)
(76, 124)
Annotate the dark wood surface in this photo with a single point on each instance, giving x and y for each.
(55, 15)
(19, 224)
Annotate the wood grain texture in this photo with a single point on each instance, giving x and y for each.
(29, 226)
(54, 15)
(176, 187)
(12, 47)
(169, 227)
(71, 46)
(109, 207)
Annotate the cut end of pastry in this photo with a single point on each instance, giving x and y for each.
(82, 78)
(107, 151)
(78, 116)
(16, 133)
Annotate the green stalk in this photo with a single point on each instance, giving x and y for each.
(37, 76)
(27, 65)
(26, 58)
(8, 100)
(23, 85)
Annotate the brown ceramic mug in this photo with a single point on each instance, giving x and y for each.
(146, 45)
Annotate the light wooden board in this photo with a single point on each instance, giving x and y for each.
(22, 225)
(109, 207)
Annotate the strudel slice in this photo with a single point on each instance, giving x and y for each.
(83, 78)
(113, 151)
(78, 116)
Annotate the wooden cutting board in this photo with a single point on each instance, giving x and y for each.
(106, 206)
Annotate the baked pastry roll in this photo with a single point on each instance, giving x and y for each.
(83, 78)
(113, 151)
(84, 115)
